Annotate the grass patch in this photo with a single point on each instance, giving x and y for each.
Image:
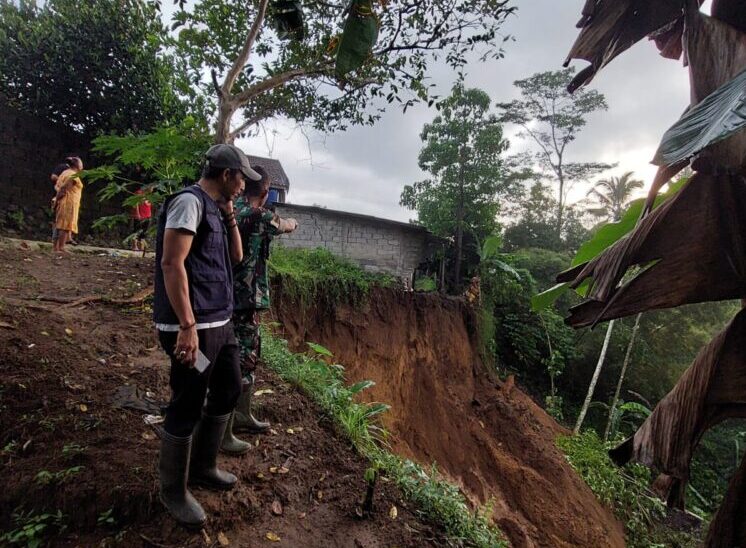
(437, 500)
(318, 276)
(625, 491)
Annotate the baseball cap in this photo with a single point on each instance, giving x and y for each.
(231, 157)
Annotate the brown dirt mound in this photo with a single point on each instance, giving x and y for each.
(56, 415)
(485, 435)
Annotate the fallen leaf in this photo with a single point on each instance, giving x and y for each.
(45, 333)
(273, 537)
(290, 431)
(260, 475)
(31, 345)
(299, 429)
(273, 431)
(393, 512)
(277, 507)
(223, 540)
(148, 436)
(283, 470)
(83, 407)
(206, 537)
(264, 391)
(69, 331)
(273, 469)
(481, 424)
(6, 325)
(319, 495)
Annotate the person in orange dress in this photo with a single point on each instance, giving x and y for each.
(69, 189)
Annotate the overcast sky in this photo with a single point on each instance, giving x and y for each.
(364, 169)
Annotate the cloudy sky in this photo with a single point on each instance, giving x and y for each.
(364, 169)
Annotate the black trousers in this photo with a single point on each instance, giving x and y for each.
(189, 387)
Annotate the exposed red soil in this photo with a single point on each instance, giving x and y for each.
(485, 435)
(55, 390)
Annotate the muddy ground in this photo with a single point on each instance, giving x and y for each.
(66, 448)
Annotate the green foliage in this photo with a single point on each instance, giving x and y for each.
(295, 79)
(106, 518)
(426, 284)
(624, 490)
(31, 528)
(317, 275)
(159, 162)
(436, 499)
(461, 152)
(94, 66)
(45, 477)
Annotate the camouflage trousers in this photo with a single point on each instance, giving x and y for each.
(246, 329)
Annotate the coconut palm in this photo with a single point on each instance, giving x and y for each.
(612, 195)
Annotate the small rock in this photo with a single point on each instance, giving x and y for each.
(272, 536)
(277, 507)
(223, 540)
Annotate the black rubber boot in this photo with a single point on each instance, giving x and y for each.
(173, 468)
(204, 470)
(231, 445)
(244, 420)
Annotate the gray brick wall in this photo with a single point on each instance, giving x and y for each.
(378, 245)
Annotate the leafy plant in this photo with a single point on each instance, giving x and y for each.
(317, 275)
(425, 284)
(106, 518)
(45, 477)
(624, 490)
(31, 528)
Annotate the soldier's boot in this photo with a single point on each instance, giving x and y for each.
(173, 468)
(244, 420)
(204, 470)
(231, 445)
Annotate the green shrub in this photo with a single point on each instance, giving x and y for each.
(317, 275)
(624, 490)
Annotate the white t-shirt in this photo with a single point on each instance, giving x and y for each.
(185, 213)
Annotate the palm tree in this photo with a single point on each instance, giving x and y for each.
(612, 195)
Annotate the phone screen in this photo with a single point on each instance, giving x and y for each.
(202, 362)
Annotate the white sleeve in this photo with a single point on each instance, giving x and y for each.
(184, 212)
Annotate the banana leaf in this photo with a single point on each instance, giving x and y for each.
(358, 38)
(717, 117)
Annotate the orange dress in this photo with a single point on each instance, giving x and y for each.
(68, 207)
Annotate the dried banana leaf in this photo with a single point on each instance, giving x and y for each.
(728, 527)
(611, 27)
(711, 390)
(695, 242)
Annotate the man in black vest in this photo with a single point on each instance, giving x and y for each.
(196, 244)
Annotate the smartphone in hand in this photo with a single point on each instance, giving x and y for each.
(202, 362)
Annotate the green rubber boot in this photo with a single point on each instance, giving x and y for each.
(231, 445)
(244, 420)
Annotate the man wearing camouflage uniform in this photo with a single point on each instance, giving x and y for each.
(257, 225)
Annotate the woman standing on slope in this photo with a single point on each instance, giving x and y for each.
(69, 189)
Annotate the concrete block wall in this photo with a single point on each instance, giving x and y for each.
(377, 245)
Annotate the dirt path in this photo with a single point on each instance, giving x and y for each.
(66, 448)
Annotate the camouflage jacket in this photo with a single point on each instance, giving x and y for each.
(257, 226)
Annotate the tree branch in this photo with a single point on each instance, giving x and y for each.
(271, 83)
(245, 125)
(240, 62)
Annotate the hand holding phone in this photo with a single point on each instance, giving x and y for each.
(202, 362)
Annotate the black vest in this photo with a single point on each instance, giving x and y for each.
(208, 266)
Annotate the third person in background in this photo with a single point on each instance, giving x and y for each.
(257, 225)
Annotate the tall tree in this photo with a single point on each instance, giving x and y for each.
(612, 195)
(94, 65)
(552, 119)
(261, 71)
(461, 152)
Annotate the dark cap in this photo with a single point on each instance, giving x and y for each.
(231, 157)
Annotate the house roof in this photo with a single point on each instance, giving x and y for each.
(277, 175)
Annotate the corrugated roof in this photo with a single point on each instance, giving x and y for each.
(274, 168)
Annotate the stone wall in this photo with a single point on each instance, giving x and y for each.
(378, 245)
(30, 147)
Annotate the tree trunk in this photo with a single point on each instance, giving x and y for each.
(223, 123)
(460, 224)
(560, 203)
(594, 380)
(621, 376)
